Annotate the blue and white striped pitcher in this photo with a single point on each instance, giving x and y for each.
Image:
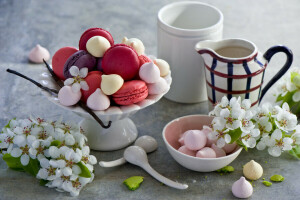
(234, 67)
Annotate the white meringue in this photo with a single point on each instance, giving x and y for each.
(136, 44)
(149, 72)
(242, 188)
(67, 97)
(97, 46)
(161, 86)
(38, 53)
(98, 101)
(252, 170)
(163, 66)
(111, 83)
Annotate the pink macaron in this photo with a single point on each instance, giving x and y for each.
(91, 32)
(131, 92)
(121, 59)
(59, 59)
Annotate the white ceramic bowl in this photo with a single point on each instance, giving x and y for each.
(171, 134)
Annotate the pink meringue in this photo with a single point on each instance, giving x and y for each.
(194, 139)
(98, 100)
(186, 151)
(219, 152)
(67, 97)
(161, 86)
(38, 53)
(149, 72)
(181, 140)
(242, 188)
(228, 148)
(206, 152)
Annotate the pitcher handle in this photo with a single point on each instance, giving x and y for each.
(268, 55)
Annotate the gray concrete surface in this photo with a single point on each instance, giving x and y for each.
(57, 23)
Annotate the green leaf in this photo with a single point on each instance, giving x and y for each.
(33, 167)
(133, 182)
(12, 162)
(226, 169)
(43, 182)
(235, 134)
(55, 143)
(279, 98)
(277, 178)
(241, 144)
(85, 172)
(295, 152)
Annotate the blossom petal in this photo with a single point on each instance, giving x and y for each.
(76, 87)
(20, 140)
(261, 145)
(274, 151)
(84, 85)
(255, 132)
(42, 174)
(251, 142)
(69, 139)
(25, 159)
(44, 163)
(69, 81)
(76, 169)
(296, 96)
(221, 142)
(227, 138)
(276, 135)
(16, 152)
(74, 71)
(92, 160)
(83, 72)
(31, 139)
(67, 171)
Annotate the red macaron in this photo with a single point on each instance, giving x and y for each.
(144, 59)
(121, 59)
(93, 79)
(131, 92)
(59, 59)
(91, 32)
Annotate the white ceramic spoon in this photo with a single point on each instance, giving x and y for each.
(137, 156)
(148, 143)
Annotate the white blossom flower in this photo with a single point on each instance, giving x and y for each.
(87, 159)
(249, 139)
(231, 118)
(7, 140)
(246, 124)
(75, 185)
(221, 136)
(22, 149)
(47, 172)
(23, 128)
(277, 144)
(286, 121)
(39, 148)
(246, 104)
(264, 126)
(77, 82)
(282, 87)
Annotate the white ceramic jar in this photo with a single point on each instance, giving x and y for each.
(180, 26)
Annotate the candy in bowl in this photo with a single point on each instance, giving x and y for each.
(172, 133)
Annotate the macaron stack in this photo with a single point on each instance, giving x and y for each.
(101, 73)
(196, 143)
